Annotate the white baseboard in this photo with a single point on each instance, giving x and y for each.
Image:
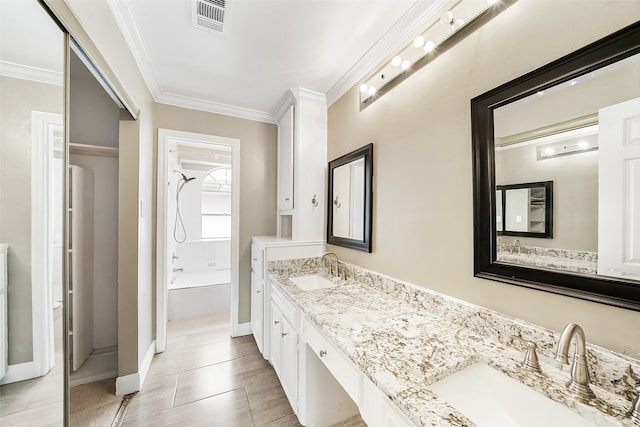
(19, 372)
(241, 330)
(133, 382)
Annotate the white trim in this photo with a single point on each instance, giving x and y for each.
(242, 329)
(165, 136)
(131, 33)
(19, 372)
(414, 20)
(25, 72)
(213, 107)
(133, 382)
(42, 241)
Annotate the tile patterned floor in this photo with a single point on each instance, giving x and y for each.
(206, 378)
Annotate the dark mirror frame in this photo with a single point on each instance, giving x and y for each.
(607, 290)
(548, 209)
(365, 245)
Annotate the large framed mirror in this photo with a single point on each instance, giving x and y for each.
(349, 207)
(576, 122)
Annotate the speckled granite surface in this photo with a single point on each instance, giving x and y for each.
(405, 338)
(555, 259)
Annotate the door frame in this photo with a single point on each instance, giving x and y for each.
(165, 136)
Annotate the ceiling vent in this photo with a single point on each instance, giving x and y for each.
(209, 15)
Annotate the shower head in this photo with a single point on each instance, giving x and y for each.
(187, 179)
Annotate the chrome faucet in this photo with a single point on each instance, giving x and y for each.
(634, 414)
(579, 383)
(335, 273)
(516, 245)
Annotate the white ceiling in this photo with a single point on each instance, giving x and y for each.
(268, 46)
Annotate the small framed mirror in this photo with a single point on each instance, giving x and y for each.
(525, 210)
(349, 207)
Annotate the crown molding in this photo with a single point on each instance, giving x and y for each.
(129, 29)
(214, 107)
(25, 72)
(414, 20)
(297, 94)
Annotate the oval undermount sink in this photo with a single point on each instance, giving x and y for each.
(491, 398)
(312, 282)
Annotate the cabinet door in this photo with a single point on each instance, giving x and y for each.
(257, 310)
(289, 363)
(276, 338)
(285, 161)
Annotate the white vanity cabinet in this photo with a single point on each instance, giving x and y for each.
(302, 164)
(285, 161)
(257, 310)
(263, 250)
(284, 345)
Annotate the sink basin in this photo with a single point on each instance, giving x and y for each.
(490, 398)
(311, 282)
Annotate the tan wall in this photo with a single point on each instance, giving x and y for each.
(257, 178)
(19, 98)
(421, 130)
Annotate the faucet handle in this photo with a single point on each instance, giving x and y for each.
(530, 362)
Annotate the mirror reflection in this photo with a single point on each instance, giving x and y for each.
(349, 208)
(348, 200)
(583, 135)
(31, 215)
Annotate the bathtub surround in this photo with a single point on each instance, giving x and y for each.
(404, 338)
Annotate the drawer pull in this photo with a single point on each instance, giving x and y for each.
(255, 259)
(275, 322)
(258, 291)
(284, 334)
(323, 353)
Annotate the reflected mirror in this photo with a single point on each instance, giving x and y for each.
(349, 207)
(576, 123)
(525, 210)
(31, 215)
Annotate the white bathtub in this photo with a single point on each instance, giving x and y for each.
(196, 293)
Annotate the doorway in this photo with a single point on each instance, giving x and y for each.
(197, 257)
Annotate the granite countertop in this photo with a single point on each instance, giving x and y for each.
(404, 348)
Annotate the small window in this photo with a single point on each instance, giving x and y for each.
(216, 204)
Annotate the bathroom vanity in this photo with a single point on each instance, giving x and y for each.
(364, 342)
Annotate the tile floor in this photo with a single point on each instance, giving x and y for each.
(206, 378)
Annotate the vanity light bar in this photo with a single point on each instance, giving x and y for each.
(569, 146)
(454, 21)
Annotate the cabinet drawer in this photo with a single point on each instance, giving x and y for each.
(257, 260)
(287, 307)
(340, 367)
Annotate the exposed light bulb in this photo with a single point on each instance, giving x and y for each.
(418, 41)
(405, 64)
(583, 144)
(396, 61)
(429, 46)
(364, 88)
(371, 90)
